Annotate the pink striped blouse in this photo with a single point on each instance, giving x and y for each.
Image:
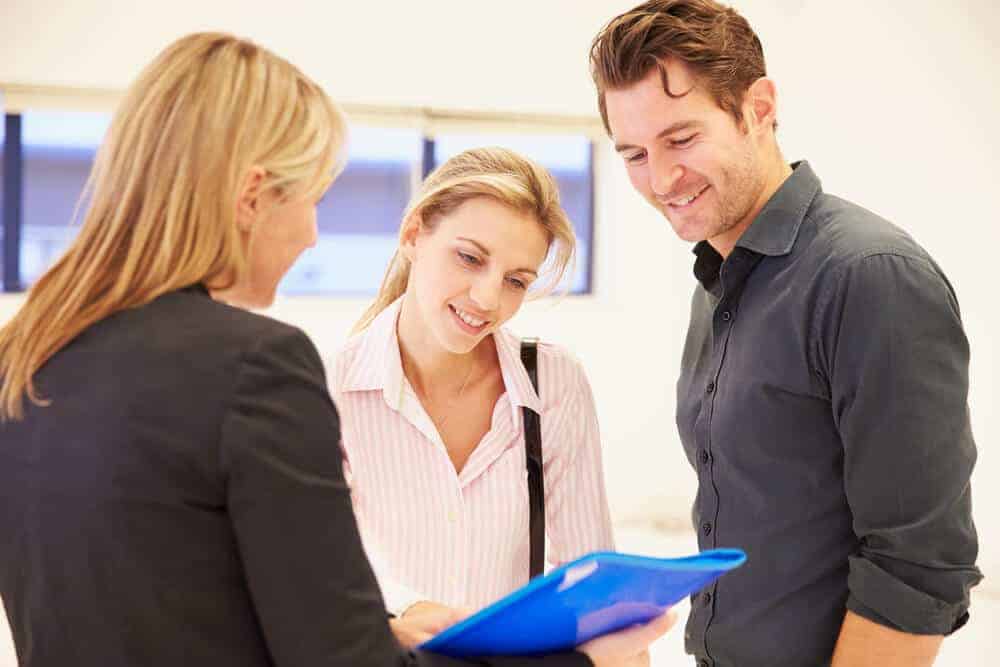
(461, 539)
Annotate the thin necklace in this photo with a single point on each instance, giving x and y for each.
(448, 409)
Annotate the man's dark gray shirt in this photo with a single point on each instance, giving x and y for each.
(823, 404)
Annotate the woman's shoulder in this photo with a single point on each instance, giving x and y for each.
(188, 330)
(340, 364)
(214, 324)
(558, 367)
(354, 366)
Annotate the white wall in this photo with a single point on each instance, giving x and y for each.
(894, 103)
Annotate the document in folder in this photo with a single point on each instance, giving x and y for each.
(592, 596)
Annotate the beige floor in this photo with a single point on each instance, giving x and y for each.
(976, 644)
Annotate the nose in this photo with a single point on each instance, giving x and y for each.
(485, 292)
(664, 174)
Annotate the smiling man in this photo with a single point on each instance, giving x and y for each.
(823, 393)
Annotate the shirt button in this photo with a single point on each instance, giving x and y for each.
(706, 598)
(710, 388)
(706, 528)
(452, 517)
(726, 316)
(703, 457)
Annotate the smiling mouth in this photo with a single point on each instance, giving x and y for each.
(687, 201)
(471, 322)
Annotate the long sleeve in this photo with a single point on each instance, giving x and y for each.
(312, 587)
(896, 359)
(398, 596)
(577, 517)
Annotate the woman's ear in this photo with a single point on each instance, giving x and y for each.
(408, 236)
(248, 202)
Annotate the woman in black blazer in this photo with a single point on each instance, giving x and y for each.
(168, 492)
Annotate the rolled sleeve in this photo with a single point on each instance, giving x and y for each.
(897, 360)
(901, 606)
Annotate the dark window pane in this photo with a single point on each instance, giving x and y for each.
(59, 149)
(359, 217)
(3, 144)
(568, 159)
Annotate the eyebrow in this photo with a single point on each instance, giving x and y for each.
(486, 252)
(675, 127)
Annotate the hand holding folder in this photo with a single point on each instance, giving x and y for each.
(592, 596)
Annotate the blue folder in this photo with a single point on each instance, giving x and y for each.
(599, 593)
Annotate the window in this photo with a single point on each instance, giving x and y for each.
(59, 150)
(358, 219)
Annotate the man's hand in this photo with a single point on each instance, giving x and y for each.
(422, 621)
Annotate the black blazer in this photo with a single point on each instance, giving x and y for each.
(181, 502)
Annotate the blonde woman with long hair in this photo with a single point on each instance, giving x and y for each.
(168, 494)
(432, 393)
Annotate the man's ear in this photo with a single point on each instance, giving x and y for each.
(248, 201)
(408, 235)
(760, 105)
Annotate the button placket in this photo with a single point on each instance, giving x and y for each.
(702, 610)
(459, 540)
(723, 315)
(721, 318)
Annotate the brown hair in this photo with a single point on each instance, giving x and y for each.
(714, 40)
(499, 174)
(163, 187)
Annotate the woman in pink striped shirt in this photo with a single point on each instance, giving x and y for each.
(430, 392)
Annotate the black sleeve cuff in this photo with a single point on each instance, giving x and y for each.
(883, 598)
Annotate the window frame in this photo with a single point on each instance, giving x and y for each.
(13, 195)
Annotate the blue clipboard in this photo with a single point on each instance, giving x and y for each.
(599, 593)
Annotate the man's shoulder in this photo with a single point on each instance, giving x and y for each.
(842, 232)
(844, 244)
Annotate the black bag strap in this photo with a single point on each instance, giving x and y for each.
(533, 460)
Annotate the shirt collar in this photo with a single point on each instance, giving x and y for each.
(520, 391)
(378, 365)
(775, 229)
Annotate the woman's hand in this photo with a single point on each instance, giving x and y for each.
(422, 621)
(627, 648)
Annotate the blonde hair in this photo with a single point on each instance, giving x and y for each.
(164, 188)
(499, 174)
